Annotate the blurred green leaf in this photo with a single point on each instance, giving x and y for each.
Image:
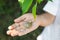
(26, 5)
(34, 10)
(21, 2)
(39, 1)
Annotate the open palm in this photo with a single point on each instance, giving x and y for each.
(17, 29)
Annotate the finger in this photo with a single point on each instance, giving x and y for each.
(10, 27)
(14, 33)
(13, 26)
(8, 32)
(19, 19)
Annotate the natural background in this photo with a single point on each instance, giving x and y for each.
(9, 10)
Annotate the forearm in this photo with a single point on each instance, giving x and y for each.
(46, 19)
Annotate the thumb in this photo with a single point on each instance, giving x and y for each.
(22, 18)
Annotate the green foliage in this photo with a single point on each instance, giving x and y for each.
(25, 4)
(38, 1)
(34, 10)
(21, 1)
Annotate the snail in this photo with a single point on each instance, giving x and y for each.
(27, 24)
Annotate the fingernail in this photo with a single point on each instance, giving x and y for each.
(10, 27)
(8, 32)
(15, 20)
